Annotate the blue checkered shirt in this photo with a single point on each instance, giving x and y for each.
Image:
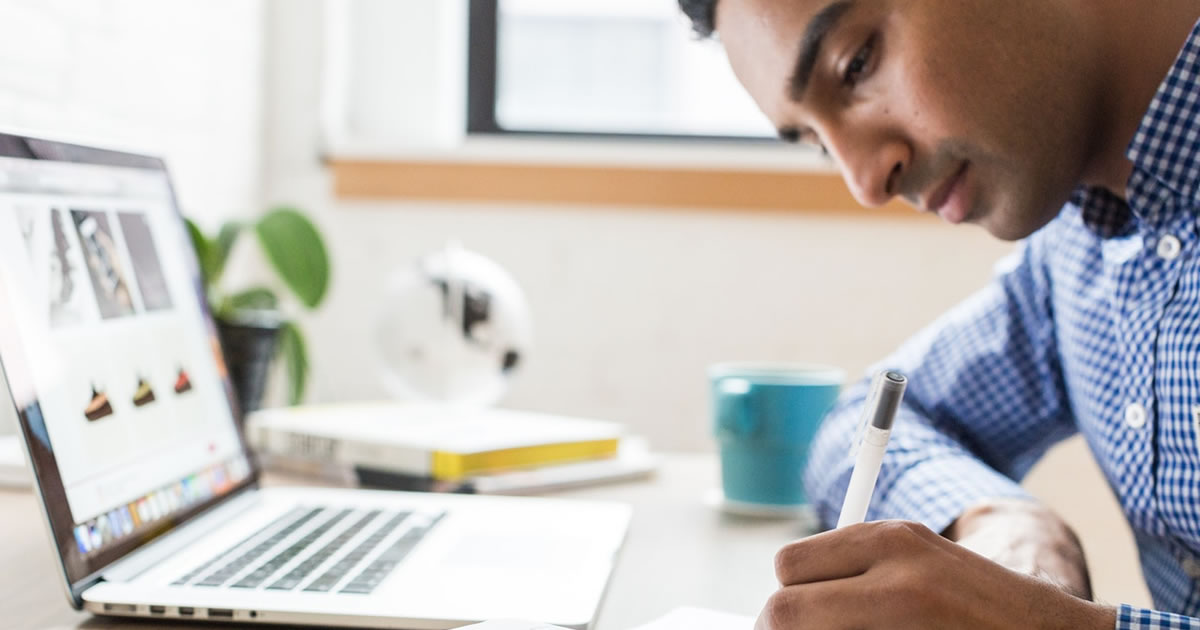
(1091, 326)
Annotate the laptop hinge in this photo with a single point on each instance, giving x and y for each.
(163, 547)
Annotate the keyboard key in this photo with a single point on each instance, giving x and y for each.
(191, 575)
(365, 581)
(226, 573)
(383, 565)
(301, 571)
(342, 567)
(259, 575)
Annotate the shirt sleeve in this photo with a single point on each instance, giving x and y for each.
(1130, 618)
(985, 400)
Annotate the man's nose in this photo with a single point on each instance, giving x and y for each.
(873, 170)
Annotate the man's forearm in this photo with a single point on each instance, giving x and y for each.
(1027, 537)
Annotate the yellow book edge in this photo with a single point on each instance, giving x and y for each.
(454, 466)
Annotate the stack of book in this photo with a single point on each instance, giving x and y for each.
(426, 447)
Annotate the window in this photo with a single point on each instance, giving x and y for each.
(601, 67)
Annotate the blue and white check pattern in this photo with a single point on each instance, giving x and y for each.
(1092, 326)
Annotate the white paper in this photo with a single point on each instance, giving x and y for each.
(509, 624)
(699, 619)
(685, 618)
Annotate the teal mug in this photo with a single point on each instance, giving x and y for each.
(765, 416)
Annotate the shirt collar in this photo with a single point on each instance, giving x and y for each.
(1165, 151)
(1104, 213)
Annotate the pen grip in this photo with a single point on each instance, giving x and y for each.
(862, 480)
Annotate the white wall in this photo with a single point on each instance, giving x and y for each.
(181, 79)
(630, 304)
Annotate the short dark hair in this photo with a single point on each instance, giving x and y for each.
(703, 14)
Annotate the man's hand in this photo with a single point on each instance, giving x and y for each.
(895, 575)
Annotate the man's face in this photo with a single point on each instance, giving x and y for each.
(975, 109)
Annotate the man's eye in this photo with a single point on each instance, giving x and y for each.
(810, 138)
(858, 64)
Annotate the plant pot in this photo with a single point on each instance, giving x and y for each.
(249, 342)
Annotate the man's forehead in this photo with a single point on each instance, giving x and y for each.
(762, 38)
(768, 20)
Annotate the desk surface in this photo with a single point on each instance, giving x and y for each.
(679, 552)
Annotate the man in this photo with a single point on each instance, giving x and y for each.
(1071, 124)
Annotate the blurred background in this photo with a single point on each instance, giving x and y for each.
(593, 148)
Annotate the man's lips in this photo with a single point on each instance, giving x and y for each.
(939, 201)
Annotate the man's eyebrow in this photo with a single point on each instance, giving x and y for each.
(810, 45)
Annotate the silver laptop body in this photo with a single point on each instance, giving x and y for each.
(113, 372)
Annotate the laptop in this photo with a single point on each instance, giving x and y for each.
(114, 373)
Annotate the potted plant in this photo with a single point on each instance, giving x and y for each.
(250, 322)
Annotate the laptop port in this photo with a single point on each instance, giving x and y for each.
(120, 608)
(158, 610)
(220, 613)
(186, 611)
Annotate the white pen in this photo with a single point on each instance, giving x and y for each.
(883, 403)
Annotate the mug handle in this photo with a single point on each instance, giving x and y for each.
(733, 414)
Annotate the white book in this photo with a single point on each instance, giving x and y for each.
(633, 461)
(437, 441)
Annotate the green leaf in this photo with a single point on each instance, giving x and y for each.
(258, 298)
(296, 250)
(203, 249)
(223, 245)
(295, 356)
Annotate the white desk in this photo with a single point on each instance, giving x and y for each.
(679, 552)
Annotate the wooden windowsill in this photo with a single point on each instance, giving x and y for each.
(761, 179)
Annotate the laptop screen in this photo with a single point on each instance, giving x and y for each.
(111, 360)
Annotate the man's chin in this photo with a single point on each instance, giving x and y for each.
(1004, 232)
(1009, 228)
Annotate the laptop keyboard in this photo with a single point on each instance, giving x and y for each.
(286, 555)
(330, 578)
(384, 563)
(297, 575)
(255, 578)
(295, 519)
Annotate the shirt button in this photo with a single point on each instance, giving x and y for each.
(1196, 422)
(1192, 567)
(1169, 247)
(1135, 416)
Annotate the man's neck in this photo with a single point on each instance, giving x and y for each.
(1137, 44)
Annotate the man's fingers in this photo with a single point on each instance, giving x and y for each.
(908, 578)
(848, 552)
(820, 606)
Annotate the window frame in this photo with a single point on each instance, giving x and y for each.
(482, 53)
